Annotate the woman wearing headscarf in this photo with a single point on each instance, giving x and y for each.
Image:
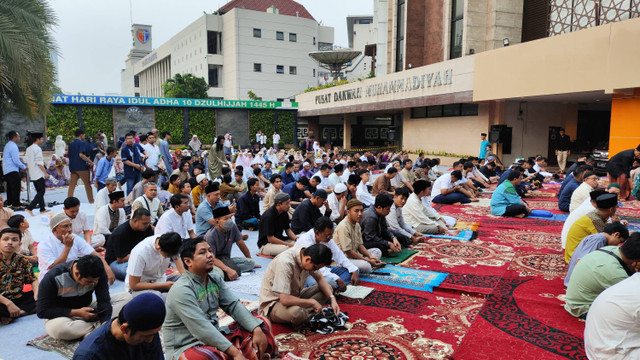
(195, 144)
(217, 158)
(61, 146)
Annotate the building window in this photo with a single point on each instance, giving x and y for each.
(257, 33)
(257, 67)
(457, 14)
(293, 70)
(314, 40)
(400, 35)
(279, 35)
(136, 94)
(449, 110)
(293, 37)
(314, 72)
(280, 99)
(214, 42)
(136, 81)
(214, 76)
(280, 69)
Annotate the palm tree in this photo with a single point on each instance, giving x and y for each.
(27, 72)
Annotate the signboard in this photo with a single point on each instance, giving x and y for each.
(303, 132)
(149, 101)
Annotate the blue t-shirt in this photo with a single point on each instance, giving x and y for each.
(565, 197)
(76, 148)
(294, 193)
(132, 154)
(204, 213)
(101, 344)
(483, 149)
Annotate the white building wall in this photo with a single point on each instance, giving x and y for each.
(381, 35)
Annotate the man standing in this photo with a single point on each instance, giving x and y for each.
(124, 238)
(483, 146)
(348, 237)
(37, 172)
(283, 298)
(563, 149)
(221, 238)
(131, 335)
(166, 155)
(192, 321)
(276, 140)
(65, 298)
(11, 166)
(153, 155)
(79, 165)
(104, 167)
(132, 162)
(177, 219)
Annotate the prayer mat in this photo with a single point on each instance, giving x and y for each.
(247, 283)
(463, 225)
(226, 320)
(172, 270)
(265, 256)
(406, 278)
(537, 238)
(482, 202)
(62, 347)
(465, 235)
(400, 257)
(554, 217)
(634, 227)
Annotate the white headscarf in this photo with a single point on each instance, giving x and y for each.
(60, 146)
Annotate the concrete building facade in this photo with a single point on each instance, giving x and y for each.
(258, 46)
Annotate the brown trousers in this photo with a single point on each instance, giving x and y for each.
(84, 175)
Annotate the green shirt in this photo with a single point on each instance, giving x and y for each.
(594, 273)
(191, 314)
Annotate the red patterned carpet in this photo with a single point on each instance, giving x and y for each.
(503, 298)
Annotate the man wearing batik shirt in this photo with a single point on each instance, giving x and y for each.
(15, 272)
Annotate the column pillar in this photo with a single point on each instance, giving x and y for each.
(346, 123)
(496, 117)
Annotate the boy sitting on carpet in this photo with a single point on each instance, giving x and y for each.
(15, 272)
(191, 329)
(348, 236)
(406, 234)
(505, 200)
(375, 230)
(423, 218)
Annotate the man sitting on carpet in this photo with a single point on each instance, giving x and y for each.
(375, 230)
(581, 211)
(421, 217)
(445, 191)
(336, 276)
(505, 200)
(248, 215)
(600, 270)
(283, 298)
(192, 321)
(204, 214)
(589, 183)
(489, 171)
(108, 218)
(124, 238)
(150, 202)
(592, 223)
(382, 184)
(348, 236)
(296, 191)
(102, 197)
(405, 233)
(271, 240)
(613, 234)
(564, 201)
(177, 219)
(149, 262)
(79, 220)
(132, 335)
(221, 238)
(65, 298)
(308, 212)
(15, 272)
(62, 246)
(613, 328)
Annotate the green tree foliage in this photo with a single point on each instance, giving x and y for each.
(253, 96)
(27, 72)
(62, 121)
(202, 122)
(171, 120)
(285, 125)
(185, 86)
(98, 118)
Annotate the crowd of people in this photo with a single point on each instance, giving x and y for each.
(311, 208)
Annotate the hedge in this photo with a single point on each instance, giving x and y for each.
(261, 120)
(202, 122)
(171, 120)
(62, 121)
(286, 124)
(98, 118)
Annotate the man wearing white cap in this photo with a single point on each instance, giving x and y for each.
(338, 203)
(306, 171)
(63, 247)
(198, 194)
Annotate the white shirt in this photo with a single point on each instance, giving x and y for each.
(264, 139)
(102, 220)
(579, 195)
(276, 139)
(153, 151)
(576, 214)
(146, 262)
(334, 205)
(325, 183)
(362, 193)
(80, 224)
(397, 222)
(171, 221)
(346, 174)
(443, 182)
(102, 198)
(51, 248)
(397, 180)
(334, 180)
(33, 158)
(258, 137)
(309, 238)
(416, 213)
(612, 330)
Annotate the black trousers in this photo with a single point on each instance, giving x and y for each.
(513, 210)
(38, 200)
(13, 189)
(25, 302)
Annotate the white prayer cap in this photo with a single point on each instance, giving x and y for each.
(58, 219)
(340, 188)
(318, 161)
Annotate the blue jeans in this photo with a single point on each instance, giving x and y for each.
(119, 270)
(451, 198)
(343, 273)
(132, 181)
